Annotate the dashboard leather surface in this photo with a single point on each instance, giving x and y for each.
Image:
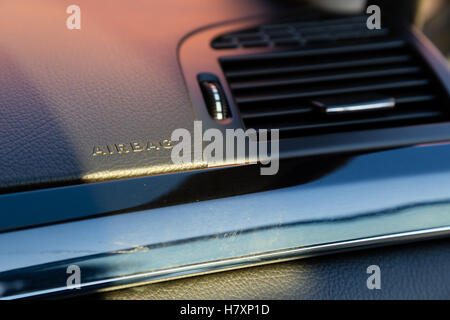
(115, 81)
(412, 271)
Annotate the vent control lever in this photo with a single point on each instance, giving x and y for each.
(351, 104)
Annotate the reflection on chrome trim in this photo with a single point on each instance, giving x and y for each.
(252, 260)
(375, 199)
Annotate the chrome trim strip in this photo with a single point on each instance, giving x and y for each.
(252, 260)
(372, 196)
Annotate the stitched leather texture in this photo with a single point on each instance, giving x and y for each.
(413, 271)
(115, 81)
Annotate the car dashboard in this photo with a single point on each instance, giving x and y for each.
(87, 121)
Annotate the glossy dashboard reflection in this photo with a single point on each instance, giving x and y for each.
(370, 199)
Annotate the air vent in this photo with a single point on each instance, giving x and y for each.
(283, 90)
(299, 33)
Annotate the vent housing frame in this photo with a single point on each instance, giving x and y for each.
(198, 56)
(278, 90)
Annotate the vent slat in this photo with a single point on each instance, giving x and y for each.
(318, 67)
(277, 112)
(326, 92)
(391, 118)
(414, 99)
(324, 78)
(262, 114)
(316, 52)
